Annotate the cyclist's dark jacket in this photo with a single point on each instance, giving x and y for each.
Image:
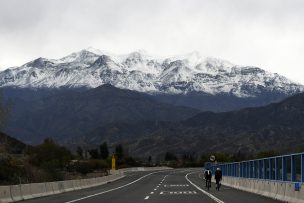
(208, 176)
(218, 175)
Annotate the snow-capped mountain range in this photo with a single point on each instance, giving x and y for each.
(140, 72)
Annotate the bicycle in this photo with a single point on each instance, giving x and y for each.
(218, 185)
(208, 184)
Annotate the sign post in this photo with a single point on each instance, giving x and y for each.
(113, 162)
(212, 158)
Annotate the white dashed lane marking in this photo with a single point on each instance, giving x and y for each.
(177, 185)
(178, 193)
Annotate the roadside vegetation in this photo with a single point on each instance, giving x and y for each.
(50, 161)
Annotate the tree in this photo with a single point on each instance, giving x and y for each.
(50, 153)
(189, 157)
(149, 160)
(94, 153)
(52, 158)
(79, 152)
(104, 151)
(10, 170)
(170, 157)
(119, 151)
(83, 168)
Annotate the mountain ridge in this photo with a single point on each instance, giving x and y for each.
(141, 72)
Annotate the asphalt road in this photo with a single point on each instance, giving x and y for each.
(183, 185)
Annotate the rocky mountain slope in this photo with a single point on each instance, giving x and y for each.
(277, 127)
(11, 145)
(71, 114)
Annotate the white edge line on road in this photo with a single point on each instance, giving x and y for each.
(203, 191)
(106, 191)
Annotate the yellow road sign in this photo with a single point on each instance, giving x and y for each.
(113, 163)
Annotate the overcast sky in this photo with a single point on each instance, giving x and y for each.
(264, 33)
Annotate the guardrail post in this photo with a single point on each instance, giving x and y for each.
(277, 169)
(225, 168)
(302, 167)
(254, 169)
(236, 169)
(293, 168)
(251, 169)
(255, 165)
(246, 169)
(284, 169)
(270, 169)
(230, 170)
(258, 169)
(264, 169)
(229, 167)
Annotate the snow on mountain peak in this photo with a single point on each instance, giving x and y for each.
(141, 72)
(95, 51)
(83, 56)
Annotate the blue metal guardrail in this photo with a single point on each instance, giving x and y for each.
(279, 168)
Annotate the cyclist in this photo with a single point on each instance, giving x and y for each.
(218, 178)
(208, 176)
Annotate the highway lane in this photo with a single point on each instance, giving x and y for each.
(182, 185)
(228, 194)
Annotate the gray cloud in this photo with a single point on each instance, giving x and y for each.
(263, 33)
